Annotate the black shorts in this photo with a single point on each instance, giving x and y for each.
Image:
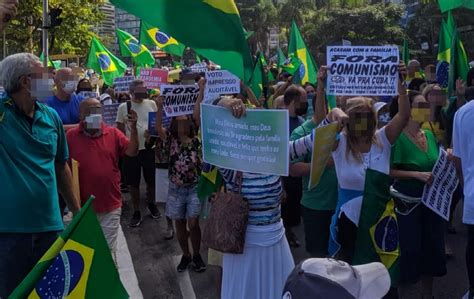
(422, 253)
(132, 168)
(316, 231)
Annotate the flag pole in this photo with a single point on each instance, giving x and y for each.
(45, 33)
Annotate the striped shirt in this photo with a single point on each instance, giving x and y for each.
(263, 193)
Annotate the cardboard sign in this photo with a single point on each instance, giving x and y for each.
(122, 84)
(322, 148)
(220, 83)
(109, 114)
(255, 143)
(362, 71)
(439, 194)
(179, 99)
(154, 78)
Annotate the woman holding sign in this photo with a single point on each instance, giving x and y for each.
(421, 231)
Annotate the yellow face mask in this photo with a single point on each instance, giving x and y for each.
(420, 115)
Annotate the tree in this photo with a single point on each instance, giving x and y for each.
(376, 24)
(80, 18)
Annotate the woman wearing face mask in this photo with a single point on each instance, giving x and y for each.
(435, 96)
(361, 147)
(421, 231)
(182, 144)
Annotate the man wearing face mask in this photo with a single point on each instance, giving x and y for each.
(33, 159)
(146, 157)
(295, 101)
(88, 144)
(66, 101)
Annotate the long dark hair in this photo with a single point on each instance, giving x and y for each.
(191, 129)
(412, 94)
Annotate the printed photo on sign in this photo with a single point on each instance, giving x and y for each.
(179, 99)
(256, 143)
(122, 84)
(439, 194)
(220, 83)
(362, 70)
(154, 78)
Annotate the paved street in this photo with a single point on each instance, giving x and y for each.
(155, 261)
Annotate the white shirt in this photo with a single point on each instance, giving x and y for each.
(463, 148)
(142, 109)
(351, 172)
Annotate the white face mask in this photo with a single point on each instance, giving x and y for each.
(41, 88)
(69, 86)
(93, 121)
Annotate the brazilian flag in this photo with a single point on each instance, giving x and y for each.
(104, 62)
(291, 65)
(56, 63)
(377, 237)
(209, 182)
(257, 81)
(308, 70)
(152, 36)
(78, 265)
(280, 57)
(131, 47)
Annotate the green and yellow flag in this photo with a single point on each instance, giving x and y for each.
(209, 182)
(308, 70)
(258, 77)
(405, 52)
(131, 47)
(377, 234)
(291, 65)
(104, 62)
(152, 36)
(280, 58)
(56, 63)
(78, 265)
(447, 5)
(212, 28)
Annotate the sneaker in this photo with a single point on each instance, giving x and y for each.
(154, 212)
(198, 263)
(136, 219)
(184, 264)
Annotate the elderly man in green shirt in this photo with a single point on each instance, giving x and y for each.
(33, 158)
(318, 203)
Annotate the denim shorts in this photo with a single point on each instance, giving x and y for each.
(183, 202)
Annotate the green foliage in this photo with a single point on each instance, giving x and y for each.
(73, 36)
(376, 24)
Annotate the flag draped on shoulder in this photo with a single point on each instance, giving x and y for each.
(78, 265)
(446, 5)
(104, 62)
(308, 70)
(131, 47)
(377, 234)
(152, 36)
(212, 28)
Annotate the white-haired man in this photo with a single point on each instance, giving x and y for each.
(33, 155)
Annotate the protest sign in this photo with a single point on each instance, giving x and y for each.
(165, 122)
(122, 84)
(179, 99)
(322, 147)
(362, 71)
(109, 113)
(89, 94)
(255, 143)
(439, 194)
(199, 67)
(154, 78)
(220, 83)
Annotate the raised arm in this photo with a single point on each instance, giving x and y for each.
(395, 127)
(197, 106)
(320, 108)
(282, 88)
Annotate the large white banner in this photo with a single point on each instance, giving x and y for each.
(362, 70)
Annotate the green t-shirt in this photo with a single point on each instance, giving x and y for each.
(408, 156)
(324, 195)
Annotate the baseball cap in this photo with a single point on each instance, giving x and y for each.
(324, 278)
(379, 105)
